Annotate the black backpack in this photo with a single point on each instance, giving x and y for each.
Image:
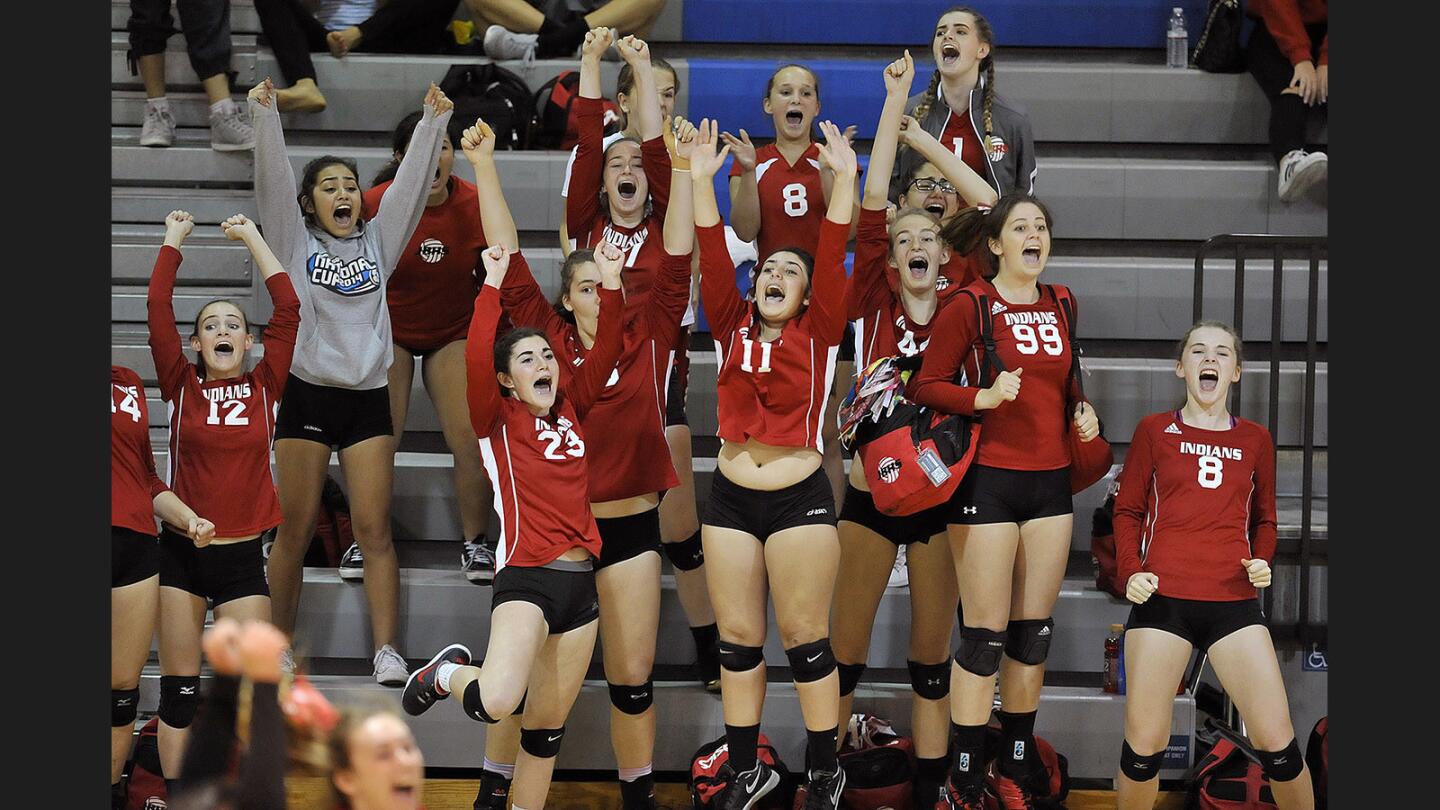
(495, 94)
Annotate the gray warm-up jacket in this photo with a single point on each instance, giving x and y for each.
(1012, 157)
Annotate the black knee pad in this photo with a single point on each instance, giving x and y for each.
(1283, 765)
(1137, 768)
(474, 706)
(979, 650)
(686, 555)
(930, 681)
(179, 698)
(124, 703)
(1028, 640)
(632, 699)
(850, 675)
(541, 742)
(738, 657)
(811, 661)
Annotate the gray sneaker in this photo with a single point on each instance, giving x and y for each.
(390, 669)
(158, 129)
(502, 43)
(231, 132)
(1299, 171)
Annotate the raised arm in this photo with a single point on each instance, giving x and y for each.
(482, 389)
(582, 198)
(898, 77)
(275, 188)
(723, 306)
(1130, 502)
(589, 379)
(524, 301)
(744, 187)
(165, 348)
(974, 189)
(827, 296)
(670, 295)
(868, 286)
(284, 325)
(404, 201)
(498, 224)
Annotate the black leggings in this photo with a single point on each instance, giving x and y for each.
(206, 24)
(1272, 71)
(416, 26)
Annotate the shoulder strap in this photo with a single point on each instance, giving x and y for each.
(1068, 313)
(992, 361)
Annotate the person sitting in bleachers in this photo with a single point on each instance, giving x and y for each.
(548, 29)
(1289, 56)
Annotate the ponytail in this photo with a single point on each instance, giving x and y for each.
(927, 99)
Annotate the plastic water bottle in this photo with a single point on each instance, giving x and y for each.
(1177, 41)
(1112, 658)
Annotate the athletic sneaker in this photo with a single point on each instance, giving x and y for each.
(968, 797)
(352, 563)
(477, 563)
(158, 129)
(494, 792)
(824, 789)
(231, 131)
(390, 669)
(1010, 794)
(502, 43)
(900, 574)
(748, 787)
(421, 689)
(1299, 170)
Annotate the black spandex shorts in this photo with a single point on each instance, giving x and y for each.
(219, 573)
(337, 417)
(134, 556)
(859, 507)
(679, 384)
(563, 590)
(626, 537)
(763, 513)
(1197, 621)
(996, 495)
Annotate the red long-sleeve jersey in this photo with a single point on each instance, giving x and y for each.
(133, 480)
(1286, 21)
(882, 328)
(792, 200)
(1193, 503)
(1030, 432)
(431, 291)
(775, 391)
(537, 464)
(628, 453)
(589, 223)
(960, 137)
(220, 430)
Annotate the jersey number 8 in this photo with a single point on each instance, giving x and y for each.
(1026, 342)
(796, 204)
(1212, 472)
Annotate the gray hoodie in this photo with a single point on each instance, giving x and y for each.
(1012, 160)
(344, 339)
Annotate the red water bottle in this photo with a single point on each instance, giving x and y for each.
(1112, 658)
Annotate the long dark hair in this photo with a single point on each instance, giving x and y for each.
(311, 176)
(400, 141)
(605, 197)
(506, 344)
(987, 72)
(975, 226)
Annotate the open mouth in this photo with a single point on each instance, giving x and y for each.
(626, 189)
(918, 266)
(1209, 380)
(935, 207)
(794, 118)
(1031, 256)
(344, 215)
(774, 294)
(949, 55)
(224, 349)
(544, 386)
(436, 181)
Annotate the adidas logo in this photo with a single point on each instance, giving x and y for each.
(1173, 429)
(997, 308)
(1044, 631)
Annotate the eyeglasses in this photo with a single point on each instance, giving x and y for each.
(925, 185)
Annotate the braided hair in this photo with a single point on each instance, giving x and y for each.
(987, 67)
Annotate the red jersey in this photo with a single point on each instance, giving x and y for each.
(133, 480)
(882, 328)
(1030, 432)
(1286, 21)
(959, 136)
(589, 223)
(1193, 503)
(792, 201)
(537, 464)
(628, 453)
(220, 430)
(774, 391)
(431, 291)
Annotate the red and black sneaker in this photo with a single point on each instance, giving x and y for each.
(421, 690)
(964, 797)
(1011, 794)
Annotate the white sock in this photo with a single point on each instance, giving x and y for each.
(442, 675)
(161, 104)
(499, 768)
(224, 106)
(631, 774)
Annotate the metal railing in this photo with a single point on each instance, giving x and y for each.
(1278, 249)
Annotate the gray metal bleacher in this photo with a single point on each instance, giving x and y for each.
(1133, 159)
